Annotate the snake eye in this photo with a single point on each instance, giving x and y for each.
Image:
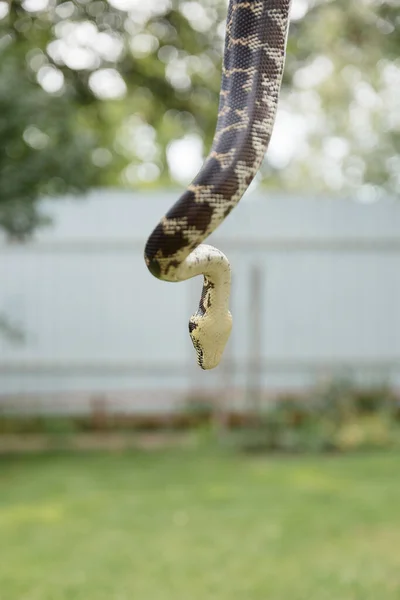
(192, 326)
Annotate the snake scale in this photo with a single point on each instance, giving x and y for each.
(254, 56)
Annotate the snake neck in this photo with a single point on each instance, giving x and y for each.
(213, 265)
(211, 325)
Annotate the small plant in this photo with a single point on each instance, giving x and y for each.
(199, 408)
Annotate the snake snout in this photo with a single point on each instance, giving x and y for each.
(209, 336)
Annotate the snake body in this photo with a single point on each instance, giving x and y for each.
(254, 56)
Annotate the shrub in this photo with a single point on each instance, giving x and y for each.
(337, 417)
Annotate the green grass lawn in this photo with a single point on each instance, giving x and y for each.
(194, 525)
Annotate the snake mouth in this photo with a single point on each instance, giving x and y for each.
(200, 359)
(197, 347)
(200, 356)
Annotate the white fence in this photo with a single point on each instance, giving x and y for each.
(96, 324)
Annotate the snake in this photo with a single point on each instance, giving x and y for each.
(252, 69)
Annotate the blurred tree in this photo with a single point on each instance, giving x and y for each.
(139, 76)
(344, 71)
(45, 148)
(144, 75)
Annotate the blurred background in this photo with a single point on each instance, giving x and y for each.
(125, 470)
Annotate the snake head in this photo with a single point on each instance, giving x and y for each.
(209, 335)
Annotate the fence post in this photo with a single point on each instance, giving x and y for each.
(255, 323)
(226, 377)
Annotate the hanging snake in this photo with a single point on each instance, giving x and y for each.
(254, 56)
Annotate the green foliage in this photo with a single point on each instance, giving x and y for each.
(352, 105)
(45, 425)
(338, 417)
(43, 151)
(45, 147)
(199, 406)
(140, 49)
(333, 418)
